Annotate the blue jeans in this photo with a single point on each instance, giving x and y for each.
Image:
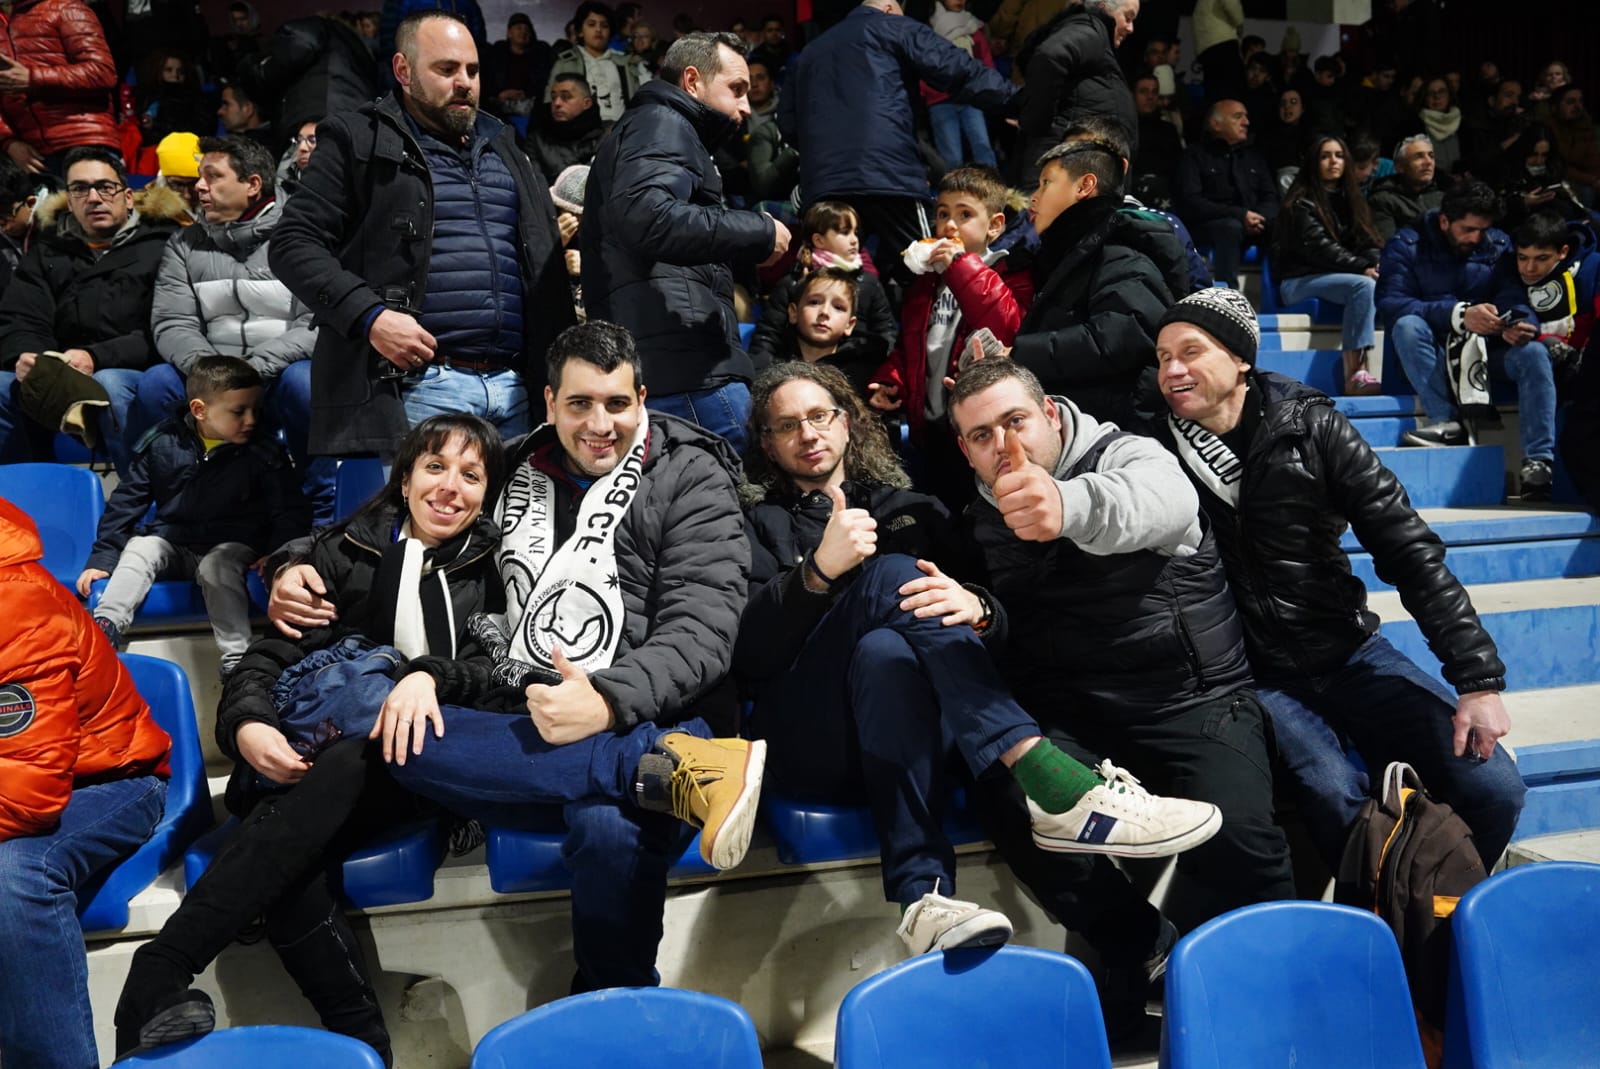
(1353, 292)
(873, 705)
(724, 410)
(496, 768)
(1527, 365)
(500, 397)
(1390, 710)
(45, 1018)
(953, 122)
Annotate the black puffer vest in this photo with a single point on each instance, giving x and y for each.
(1138, 632)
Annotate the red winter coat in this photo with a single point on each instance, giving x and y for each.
(987, 297)
(69, 713)
(73, 79)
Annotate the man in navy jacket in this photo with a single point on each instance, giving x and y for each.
(846, 105)
(1437, 279)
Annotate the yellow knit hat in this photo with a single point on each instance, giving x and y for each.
(179, 155)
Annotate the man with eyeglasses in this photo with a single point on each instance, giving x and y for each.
(425, 244)
(84, 290)
(871, 666)
(1399, 199)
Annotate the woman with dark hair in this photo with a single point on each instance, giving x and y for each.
(1441, 121)
(404, 575)
(169, 98)
(1533, 179)
(1328, 248)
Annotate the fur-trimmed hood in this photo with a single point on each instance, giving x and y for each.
(153, 203)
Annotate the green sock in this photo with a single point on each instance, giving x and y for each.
(1053, 779)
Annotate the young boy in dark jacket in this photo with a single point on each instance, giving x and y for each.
(222, 501)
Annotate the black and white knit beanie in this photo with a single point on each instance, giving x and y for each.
(1224, 314)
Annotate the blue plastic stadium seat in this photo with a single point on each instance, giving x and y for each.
(1306, 984)
(521, 124)
(811, 833)
(746, 332)
(1522, 990)
(263, 1047)
(523, 861)
(65, 503)
(165, 688)
(70, 450)
(642, 1028)
(392, 869)
(1271, 303)
(1015, 1006)
(358, 479)
(169, 603)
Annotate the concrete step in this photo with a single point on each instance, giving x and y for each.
(1583, 845)
(1388, 403)
(1547, 630)
(1453, 477)
(1382, 432)
(1504, 544)
(1553, 716)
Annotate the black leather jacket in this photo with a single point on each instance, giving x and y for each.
(1308, 474)
(1304, 246)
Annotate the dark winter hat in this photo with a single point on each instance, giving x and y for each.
(62, 398)
(519, 17)
(1225, 315)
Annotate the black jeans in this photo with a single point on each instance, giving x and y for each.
(1228, 242)
(872, 709)
(1215, 750)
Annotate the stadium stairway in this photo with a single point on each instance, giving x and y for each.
(787, 941)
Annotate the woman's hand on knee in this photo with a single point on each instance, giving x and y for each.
(269, 753)
(403, 721)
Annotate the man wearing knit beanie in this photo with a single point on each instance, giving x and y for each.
(1280, 472)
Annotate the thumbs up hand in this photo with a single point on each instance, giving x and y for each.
(850, 537)
(572, 709)
(1026, 495)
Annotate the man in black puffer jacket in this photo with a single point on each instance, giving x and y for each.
(658, 240)
(1071, 70)
(425, 244)
(1281, 472)
(1122, 638)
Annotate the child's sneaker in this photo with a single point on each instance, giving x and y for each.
(1121, 818)
(113, 632)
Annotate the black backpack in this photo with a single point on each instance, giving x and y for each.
(1409, 859)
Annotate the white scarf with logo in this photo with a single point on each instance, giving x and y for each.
(567, 596)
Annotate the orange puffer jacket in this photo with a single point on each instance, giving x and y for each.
(69, 713)
(72, 77)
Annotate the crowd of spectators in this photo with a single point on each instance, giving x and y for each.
(228, 263)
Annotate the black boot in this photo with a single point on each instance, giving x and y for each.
(331, 971)
(157, 1005)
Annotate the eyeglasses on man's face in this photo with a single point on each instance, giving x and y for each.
(820, 420)
(106, 190)
(309, 140)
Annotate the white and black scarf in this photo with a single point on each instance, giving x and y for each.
(1209, 458)
(567, 596)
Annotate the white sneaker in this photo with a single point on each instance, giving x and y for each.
(934, 922)
(1121, 818)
